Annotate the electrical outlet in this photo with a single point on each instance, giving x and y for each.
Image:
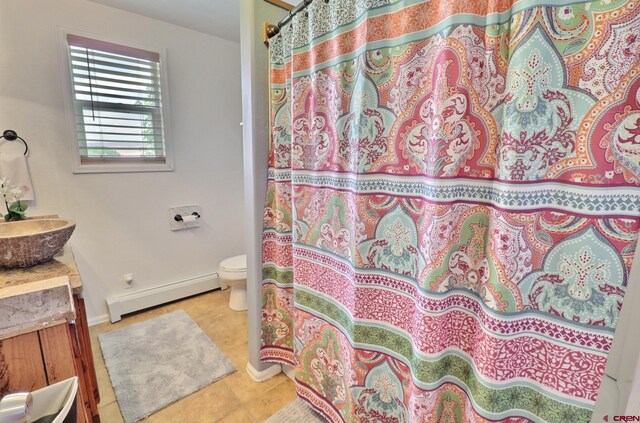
(128, 280)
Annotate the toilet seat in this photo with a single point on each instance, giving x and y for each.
(233, 268)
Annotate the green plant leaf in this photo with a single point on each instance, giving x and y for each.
(12, 216)
(18, 208)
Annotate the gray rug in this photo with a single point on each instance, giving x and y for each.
(157, 362)
(296, 411)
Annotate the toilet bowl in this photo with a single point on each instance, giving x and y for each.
(233, 273)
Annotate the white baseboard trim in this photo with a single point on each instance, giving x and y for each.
(128, 303)
(98, 320)
(289, 371)
(261, 376)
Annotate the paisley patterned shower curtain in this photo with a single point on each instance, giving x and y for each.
(453, 205)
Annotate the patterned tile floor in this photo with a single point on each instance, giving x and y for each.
(234, 399)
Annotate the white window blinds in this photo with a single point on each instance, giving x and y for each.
(117, 101)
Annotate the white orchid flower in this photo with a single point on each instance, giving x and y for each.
(12, 194)
(5, 187)
(16, 193)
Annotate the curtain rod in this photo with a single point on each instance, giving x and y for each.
(273, 30)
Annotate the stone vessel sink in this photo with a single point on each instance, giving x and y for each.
(28, 242)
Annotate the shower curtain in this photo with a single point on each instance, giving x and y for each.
(453, 205)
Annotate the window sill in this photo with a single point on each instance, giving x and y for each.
(123, 168)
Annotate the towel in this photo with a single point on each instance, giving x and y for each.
(15, 168)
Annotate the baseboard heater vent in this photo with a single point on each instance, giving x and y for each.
(128, 303)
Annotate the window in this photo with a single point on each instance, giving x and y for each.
(117, 95)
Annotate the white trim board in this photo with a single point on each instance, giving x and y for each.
(103, 318)
(261, 376)
(130, 302)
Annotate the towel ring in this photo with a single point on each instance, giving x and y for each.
(11, 135)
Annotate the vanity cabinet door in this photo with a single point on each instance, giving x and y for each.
(37, 359)
(60, 364)
(21, 366)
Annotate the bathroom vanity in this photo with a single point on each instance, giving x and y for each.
(44, 337)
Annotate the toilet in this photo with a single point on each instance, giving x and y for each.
(233, 273)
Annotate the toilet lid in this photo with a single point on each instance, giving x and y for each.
(235, 264)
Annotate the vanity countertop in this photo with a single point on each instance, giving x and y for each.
(40, 296)
(63, 264)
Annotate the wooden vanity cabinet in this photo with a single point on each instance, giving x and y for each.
(36, 359)
(84, 359)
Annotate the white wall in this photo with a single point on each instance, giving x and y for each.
(123, 219)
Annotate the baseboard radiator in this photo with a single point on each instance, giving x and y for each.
(128, 303)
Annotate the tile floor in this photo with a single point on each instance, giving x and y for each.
(234, 399)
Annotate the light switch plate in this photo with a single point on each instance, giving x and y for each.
(183, 211)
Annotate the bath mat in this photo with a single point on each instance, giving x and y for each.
(296, 411)
(154, 363)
